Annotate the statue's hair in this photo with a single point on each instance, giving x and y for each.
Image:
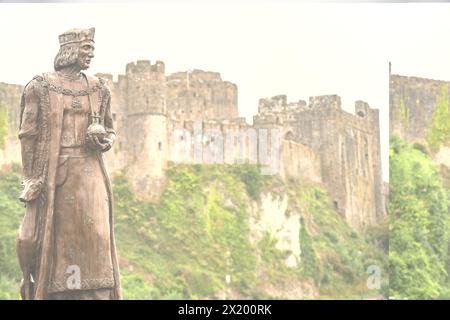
(67, 55)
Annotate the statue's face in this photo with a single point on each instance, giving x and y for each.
(85, 54)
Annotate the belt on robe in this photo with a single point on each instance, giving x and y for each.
(75, 152)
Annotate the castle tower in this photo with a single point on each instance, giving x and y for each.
(146, 127)
(340, 149)
(146, 89)
(201, 95)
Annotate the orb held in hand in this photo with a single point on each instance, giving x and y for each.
(97, 130)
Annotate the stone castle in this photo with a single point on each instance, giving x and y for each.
(196, 112)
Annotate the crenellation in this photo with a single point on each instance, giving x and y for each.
(298, 106)
(130, 68)
(143, 66)
(362, 108)
(159, 67)
(274, 104)
(205, 76)
(325, 101)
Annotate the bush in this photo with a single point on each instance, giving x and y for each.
(419, 225)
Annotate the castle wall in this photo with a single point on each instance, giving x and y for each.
(10, 109)
(216, 141)
(412, 101)
(298, 160)
(115, 158)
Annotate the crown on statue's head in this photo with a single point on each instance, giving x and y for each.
(76, 35)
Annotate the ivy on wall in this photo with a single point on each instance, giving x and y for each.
(404, 113)
(439, 130)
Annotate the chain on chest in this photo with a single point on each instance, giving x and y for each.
(82, 101)
(83, 104)
(76, 105)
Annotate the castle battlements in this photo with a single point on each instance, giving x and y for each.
(145, 66)
(277, 111)
(196, 75)
(325, 101)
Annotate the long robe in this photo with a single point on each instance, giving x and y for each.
(42, 242)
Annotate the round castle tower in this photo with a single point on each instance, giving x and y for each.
(146, 127)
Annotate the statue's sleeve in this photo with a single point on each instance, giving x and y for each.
(29, 129)
(29, 112)
(108, 120)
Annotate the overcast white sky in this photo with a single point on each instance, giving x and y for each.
(267, 49)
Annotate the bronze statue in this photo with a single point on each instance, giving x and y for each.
(65, 244)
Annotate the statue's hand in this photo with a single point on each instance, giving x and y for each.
(107, 144)
(95, 144)
(31, 190)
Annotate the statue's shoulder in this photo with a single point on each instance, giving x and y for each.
(94, 80)
(35, 84)
(101, 83)
(41, 80)
(46, 76)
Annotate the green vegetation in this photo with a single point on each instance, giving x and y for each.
(439, 131)
(186, 245)
(419, 225)
(11, 214)
(193, 242)
(333, 254)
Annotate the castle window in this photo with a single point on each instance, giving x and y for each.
(289, 136)
(159, 145)
(114, 116)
